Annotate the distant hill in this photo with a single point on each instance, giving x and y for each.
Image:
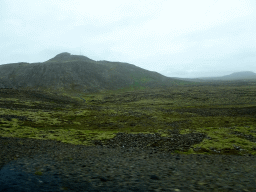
(237, 76)
(243, 75)
(76, 73)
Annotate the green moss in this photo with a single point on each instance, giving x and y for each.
(38, 173)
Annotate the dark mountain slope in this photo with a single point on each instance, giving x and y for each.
(73, 73)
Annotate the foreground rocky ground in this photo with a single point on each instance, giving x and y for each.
(44, 165)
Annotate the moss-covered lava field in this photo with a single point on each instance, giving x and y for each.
(204, 118)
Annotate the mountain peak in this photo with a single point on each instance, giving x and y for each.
(66, 57)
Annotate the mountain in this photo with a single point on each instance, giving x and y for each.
(76, 73)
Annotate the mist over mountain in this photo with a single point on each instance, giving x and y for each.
(76, 73)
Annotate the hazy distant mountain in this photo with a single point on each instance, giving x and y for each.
(243, 75)
(237, 76)
(76, 73)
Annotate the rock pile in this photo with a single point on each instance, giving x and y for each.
(174, 141)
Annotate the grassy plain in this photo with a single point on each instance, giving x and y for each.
(225, 112)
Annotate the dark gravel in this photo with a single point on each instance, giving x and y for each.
(44, 165)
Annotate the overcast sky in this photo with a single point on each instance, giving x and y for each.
(177, 38)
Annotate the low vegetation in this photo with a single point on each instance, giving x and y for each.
(210, 118)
